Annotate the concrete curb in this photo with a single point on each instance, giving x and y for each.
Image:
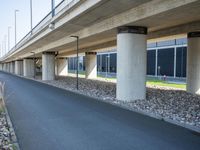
(186, 126)
(10, 125)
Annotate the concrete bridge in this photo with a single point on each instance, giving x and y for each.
(126, 24)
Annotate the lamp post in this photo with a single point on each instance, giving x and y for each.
(16, 26)
(5, 43)
(0, 51)
(52, 7)
(31, 15)
(2, 48)
(34, 59)
(77, 47)
(9, 38)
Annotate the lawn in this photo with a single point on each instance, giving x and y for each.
(166, 84)
(156, 82)
(149, 82)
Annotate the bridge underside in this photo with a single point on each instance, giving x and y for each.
(98, 24)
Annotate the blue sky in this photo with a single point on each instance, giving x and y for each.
(40, 9)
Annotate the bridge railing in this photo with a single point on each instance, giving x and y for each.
(44, 22)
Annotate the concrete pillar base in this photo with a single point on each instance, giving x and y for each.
(29, 67)
(91, 65)
(12, 67)
(48, 66)
(131, 63)
(19, 67)
(193, 63)
(1, 66)
(4, 67)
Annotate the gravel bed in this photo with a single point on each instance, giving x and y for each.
(165, 102)
(5, 134)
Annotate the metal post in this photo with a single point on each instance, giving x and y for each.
(182, 61)
(52, 7)
(156, 64)
(31, 15)
(106, 67)
(16, 27)
(175, 49)
(0, 51)
(77, 60)
(34, 59)
(9, 38)
(5, 43)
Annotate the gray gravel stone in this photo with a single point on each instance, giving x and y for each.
(4, 134)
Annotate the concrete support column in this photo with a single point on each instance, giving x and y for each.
(61, 66)
(29, 67)
(1, 66)
(4, 66)
(13, 67)
(7, 67)
(48, 66)
(19, 67)
(131, 63)
(10, 67)
(193, 63)
(90, 65)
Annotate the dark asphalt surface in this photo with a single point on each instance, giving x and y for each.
(48, 118)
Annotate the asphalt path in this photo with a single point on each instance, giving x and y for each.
(49, 118)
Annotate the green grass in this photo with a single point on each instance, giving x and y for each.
(149, 81)
(166, 84)
(110, 78)
(156, 82)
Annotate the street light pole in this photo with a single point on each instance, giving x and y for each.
(16, 26)
(34, 59)
(52, 7)
(5, 42)
(9, 38)
(77, 61)
(31, 15)
(2, 48)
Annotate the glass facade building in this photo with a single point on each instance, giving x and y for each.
(167, 58)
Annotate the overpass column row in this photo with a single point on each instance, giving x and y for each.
(90, 65)
(29, 67)
(193, 63)
(19, 67)
(131, 63)
(48, 66)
